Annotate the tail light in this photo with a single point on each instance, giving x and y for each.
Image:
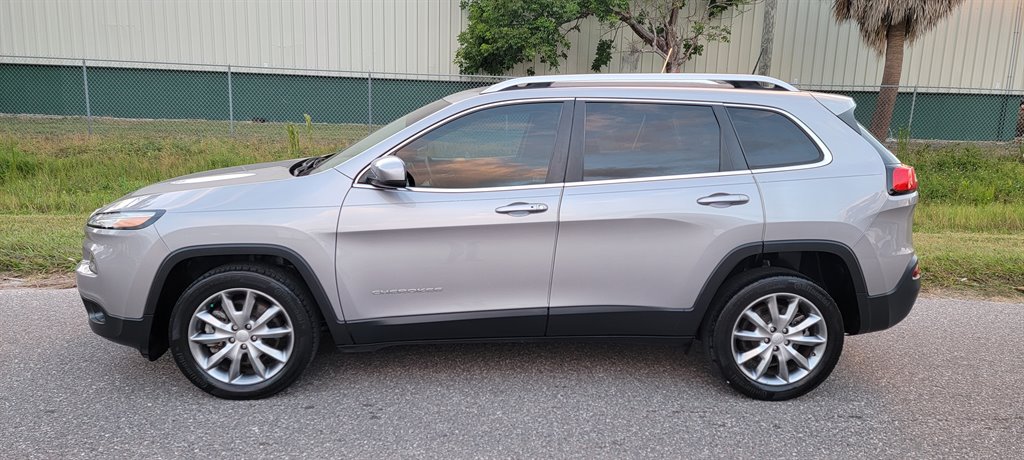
(903, 179)
(915, 274)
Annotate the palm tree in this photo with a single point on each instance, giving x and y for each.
(886, 26)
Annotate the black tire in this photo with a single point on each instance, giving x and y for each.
(283, 287)
(742, 291)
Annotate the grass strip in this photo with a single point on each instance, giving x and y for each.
(985, 264)
(32, 245)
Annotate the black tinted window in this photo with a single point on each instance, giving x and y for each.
(887, 156)
(629, 140)
(503, 146)
(770, 139)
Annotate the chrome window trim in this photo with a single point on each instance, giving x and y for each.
(357, 183)
(464, 190)
(826, 154)
(737, 172)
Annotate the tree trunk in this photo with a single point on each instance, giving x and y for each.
(895, 35)
(764, 62)
(675, 64)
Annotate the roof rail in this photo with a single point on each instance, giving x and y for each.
(736, 80)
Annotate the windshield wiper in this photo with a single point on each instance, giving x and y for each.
(309, 164)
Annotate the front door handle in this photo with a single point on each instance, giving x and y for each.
(521, 209)
(723, 200)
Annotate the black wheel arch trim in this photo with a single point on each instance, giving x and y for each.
(729, 263)
(336, 326)
(832, 247)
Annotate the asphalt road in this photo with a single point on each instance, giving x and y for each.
(946, 382)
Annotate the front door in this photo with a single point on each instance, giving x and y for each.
(465, 252)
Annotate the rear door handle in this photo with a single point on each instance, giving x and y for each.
(521, 209)
(723, 200)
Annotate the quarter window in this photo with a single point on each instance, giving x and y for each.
(502, 146)
(633, 140)
(771, 140)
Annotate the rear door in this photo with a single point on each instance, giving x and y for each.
(467, 251)
(657, 194)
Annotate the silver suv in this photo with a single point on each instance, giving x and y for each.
(733, 209)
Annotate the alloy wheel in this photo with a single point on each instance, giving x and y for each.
(779, 339)
(240, 336)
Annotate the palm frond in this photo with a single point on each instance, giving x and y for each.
(873, 17)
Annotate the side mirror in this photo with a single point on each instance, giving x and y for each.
(388, 172)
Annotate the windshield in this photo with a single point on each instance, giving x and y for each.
(381, 134)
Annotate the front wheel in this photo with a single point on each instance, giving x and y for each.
(775, 336)
(245, 331)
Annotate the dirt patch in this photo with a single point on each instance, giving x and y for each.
(48, 281)
(941, 293)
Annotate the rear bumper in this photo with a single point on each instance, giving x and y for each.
(134, 333)
(886, 310)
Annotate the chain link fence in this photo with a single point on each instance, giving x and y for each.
(942, 113)
(61, 96)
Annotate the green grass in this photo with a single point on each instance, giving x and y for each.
(968, 224)
(40, 244)
(1005, 218)
(45, 173)
(965, 174)
(982, 263)
(968, 188)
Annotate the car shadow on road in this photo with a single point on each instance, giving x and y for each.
(539, 364)
(549, 366)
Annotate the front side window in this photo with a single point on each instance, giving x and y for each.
(635, 140)
(497, 147)
(771, 140)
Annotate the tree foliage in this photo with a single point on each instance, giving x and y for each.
(503, 33)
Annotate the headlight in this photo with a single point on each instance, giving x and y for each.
(125, 220)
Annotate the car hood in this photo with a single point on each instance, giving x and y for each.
(252, 187)
(237, 175)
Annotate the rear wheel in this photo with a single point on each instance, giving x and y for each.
(243, 331)
(775, 335)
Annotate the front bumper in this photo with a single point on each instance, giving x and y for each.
(114, 279)
(132, 332)
(884, 311)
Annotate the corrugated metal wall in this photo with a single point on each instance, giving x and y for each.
(979, 46)
(416, 36)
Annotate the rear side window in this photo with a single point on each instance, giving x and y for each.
(771, 140)
(634, 140)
